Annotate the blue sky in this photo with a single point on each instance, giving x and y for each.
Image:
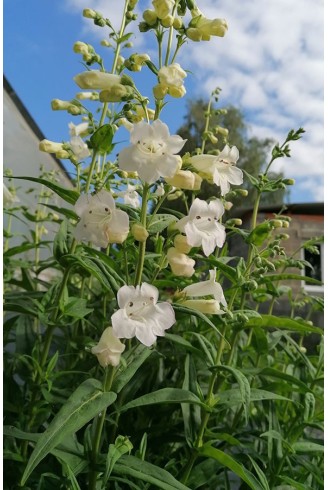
(270, 65)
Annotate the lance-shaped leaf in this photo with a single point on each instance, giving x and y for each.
(84, 404)
(165, 395)
(69, 195)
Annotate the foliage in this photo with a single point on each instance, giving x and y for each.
(231, 394)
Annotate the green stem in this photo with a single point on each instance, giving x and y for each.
(109, 376)
(142, 245)
(6, 245)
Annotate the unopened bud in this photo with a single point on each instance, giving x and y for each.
(150, 17)
(89, 13)
(167, 21)
(181, 244)
(105, 43)
(234, 222)
(61, 154)
(50, 146)
(242, 192)
(207, 306)
(277, 223)
(177, 23)
(87, 96)
(289, 181)
(183, 179)
(228, 205)
(220, 130)
(175, 195)
(139, 232)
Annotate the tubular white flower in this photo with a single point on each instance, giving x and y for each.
(220, 168)
(207, 288)
(152, 152)
(95, 79)
(101, 223)
(181, 264)
(130, 196)
(79, 148)
(140, 315)
(171, 80)
(79, 129)
(50, 146)
(202, 227)
(109, 349)
(182, 179)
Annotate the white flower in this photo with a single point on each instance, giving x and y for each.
(202, 227)
(79, 148)
(180, 263)
(140, 315)
(50, 146)
(207, 288)
(130, 196)
(8, 197)
(79, 129)
(109, 349)
(220, 168)
(98, 80)
(160, 190)
(152, 152)
(171, 78)
(101, 223)
(207, 306)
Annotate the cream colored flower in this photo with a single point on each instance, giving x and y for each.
(95, 79)
(109, 349)
(207, 288)
(170, 81)
(100, 222)
(180, 263)
(163, 7)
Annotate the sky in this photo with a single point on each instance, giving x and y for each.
(269, 65)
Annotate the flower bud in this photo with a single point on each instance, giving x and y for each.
(181, 244)
(234, 222)
(181, 264)
(95, 79)
(242, 192)
(220, 130)
(87, 96)
(150, 17)
(175, 195)
(109, 349)
(183, 179)
(289, 181)
(194, 34)
(50, 146)
(139, 232)
(167, 21)
(124, 122)
(276, 223)
(62, 154)
(198, 182)
(228, 205)
(207, 306)
(60, 105)
(177, 23)
(89, 13)
(105, 43)
(80, 47)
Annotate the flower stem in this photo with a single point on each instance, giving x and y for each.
(142, 245)
(109, 376)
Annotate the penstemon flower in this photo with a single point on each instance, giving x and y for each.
(170, 81)
(180, 263)
(101, 223)
(152, 152)
(202, 227)
(207, 288)
(97, 80)
(220, 168)
(109, 348)
(130, 196)
(140, 315)
(163, 7)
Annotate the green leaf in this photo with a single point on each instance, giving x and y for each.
(140, 354)
(307, 447)
(121, 446)
(284, 323)
(260, 233)
(101, 140)
(292, 380)
(294, 485)
(90, 265)
(244, 386)
(87, 401)
(76, 307)
(289, 277)
(165, 395)
(260, 474)
(178, 340)
(60, 246)
(147, 472)
(68, 213)
(69, 195)
(159, 222)
(19, 249)
(226, 460)
(233, 397)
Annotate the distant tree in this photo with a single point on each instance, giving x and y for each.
(253, 151)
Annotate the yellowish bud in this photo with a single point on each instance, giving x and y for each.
(80, 47)
(228, 205)
(50, 146)
(194, 34)
(160, 91)
(175, 195)
(116, 93)
(177, 23)
(183, 179)
(150, 17)
(87, 96)
(139, 232)
(167, 21)
(105, 43)
(89, 13)
(181, 244)
(62, 154)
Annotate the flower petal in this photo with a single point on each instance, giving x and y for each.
(149, 291)
(123, 327)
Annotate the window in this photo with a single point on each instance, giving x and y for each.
(315, 271)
